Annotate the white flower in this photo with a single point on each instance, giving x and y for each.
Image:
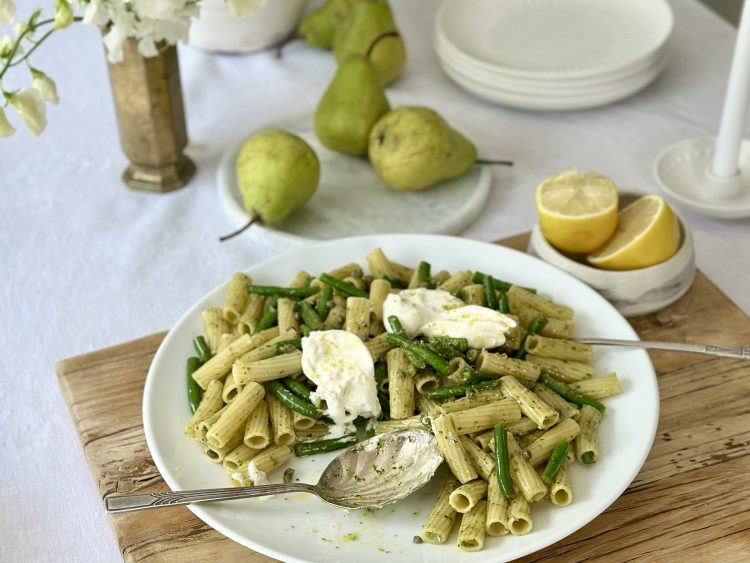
(30, 108)
(6, 129)
(7, 11)
(20, 28)
(6, 47)
(63, 14)
(147, 21)
(45, 86)
(96, 13)
(147, 47)
(245, 8)
(123, 25)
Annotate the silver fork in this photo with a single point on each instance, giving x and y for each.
(739, 352)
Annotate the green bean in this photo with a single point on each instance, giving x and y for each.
(342, 286)
(194, 391)
(323, 446)
(461, 344)
(395, 284)
(461, 389)
(287, 346)
(310, 316)
(502, 303)
(294, 292)
(473, 355)
(470, 375)
(299, 389)
(536, 326)
(202, 349)
(266, 321)
(416, 363)
(304, 330)
(275, 291)
(502, 461)
(381, 372)
(559, 454)
(490, 294)
(423, 274)
(445, 351)
(396, 326)
(588, 458)
(324, 302)
(292, 401)
(499, 284)
(430, 357)
(567, 393)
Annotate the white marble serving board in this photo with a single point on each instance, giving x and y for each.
(351, 199)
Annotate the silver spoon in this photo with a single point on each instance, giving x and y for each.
(384, 469)
(741, 352)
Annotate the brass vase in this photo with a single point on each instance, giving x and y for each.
(151, 119)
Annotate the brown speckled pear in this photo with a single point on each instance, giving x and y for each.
(413, 148)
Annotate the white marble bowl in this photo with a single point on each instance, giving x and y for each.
(632, 292)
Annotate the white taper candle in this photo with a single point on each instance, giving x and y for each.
(732, 124)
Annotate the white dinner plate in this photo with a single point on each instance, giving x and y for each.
(551, 102)
(623, 83)
(555, 38)
(301, 527)
(557, 85)
(351, 199)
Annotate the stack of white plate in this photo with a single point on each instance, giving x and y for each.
(553, 54)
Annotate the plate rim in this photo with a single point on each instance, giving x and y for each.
(662, 5)
(529, 103)
(553, 536)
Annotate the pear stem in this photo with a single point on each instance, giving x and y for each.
(253, 219)
(378, 39)
(496, 162)
(293, 36)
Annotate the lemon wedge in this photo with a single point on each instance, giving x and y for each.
(647, 234)
(577, 210)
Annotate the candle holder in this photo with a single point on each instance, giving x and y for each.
(711, 175)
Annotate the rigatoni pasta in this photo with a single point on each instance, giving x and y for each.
(236, 298)
(235, 416)
(465, 497)
(452, 449)
(259, 401)
(532, 406)
(439, 522)
(471, 532)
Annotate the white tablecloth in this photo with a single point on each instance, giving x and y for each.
(87, 263)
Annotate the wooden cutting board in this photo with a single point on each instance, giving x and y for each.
(690, 500)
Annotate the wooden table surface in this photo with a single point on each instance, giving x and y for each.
(689, 502)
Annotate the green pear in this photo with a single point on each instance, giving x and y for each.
(413, 148)
(351, 105)
(320, 26)
(371, 19)
(277, 172)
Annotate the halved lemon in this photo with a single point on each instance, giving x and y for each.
(577, 210)
(647, 234)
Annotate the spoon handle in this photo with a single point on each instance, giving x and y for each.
(740, 352)
(130, 502)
